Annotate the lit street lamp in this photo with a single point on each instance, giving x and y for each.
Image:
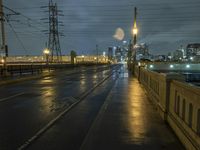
(46, 52)
(3, 61)
(83, 58)
(132, 48)
(135, 31)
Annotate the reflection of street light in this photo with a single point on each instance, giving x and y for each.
(46, 52)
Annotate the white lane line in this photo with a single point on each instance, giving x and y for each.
(52, 122)
(10, 97)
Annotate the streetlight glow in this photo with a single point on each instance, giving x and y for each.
(3, 61)
(46, 51)
(151, 66)
(135, 31)
(187, 66)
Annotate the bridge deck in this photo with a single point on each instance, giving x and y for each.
(126, 120)
(129, 120)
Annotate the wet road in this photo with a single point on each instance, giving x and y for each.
(27, 107)
(116, 116)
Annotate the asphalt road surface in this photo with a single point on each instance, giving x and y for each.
(90, 108)
(27, 108)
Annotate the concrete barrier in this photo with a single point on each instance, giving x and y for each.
(184, 113)
(177, 102)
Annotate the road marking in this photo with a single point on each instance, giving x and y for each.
(10, 97)
(99, 116)
(52, 122)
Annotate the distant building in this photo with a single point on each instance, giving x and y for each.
(110, 53)
(193, 50)
(142, 51)
(118, 54)
(160, 58)
(178, 55)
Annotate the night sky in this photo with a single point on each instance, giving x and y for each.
(164, 25)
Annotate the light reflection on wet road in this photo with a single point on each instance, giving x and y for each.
(116, 115)
(23, 115)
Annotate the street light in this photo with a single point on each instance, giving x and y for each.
(83, 58)
(2, 60)
(135, 31)
(46, 52)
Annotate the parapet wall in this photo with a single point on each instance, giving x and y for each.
(177, 102)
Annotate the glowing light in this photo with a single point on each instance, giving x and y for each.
(3, 61)
(46, 51)
(191, 58)
(171, 66)
(82, 56)
(151, 66)
(95, 58)
(124, 42)
(104, 54)
(135, 31)
(187, 66)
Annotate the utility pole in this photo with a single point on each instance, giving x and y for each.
(97, 49)
(4, 49)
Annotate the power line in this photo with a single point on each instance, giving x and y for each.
(16, 35)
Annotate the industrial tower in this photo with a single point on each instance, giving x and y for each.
(54, 42)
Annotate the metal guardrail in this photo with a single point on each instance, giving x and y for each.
(25, 68)
(20, 69)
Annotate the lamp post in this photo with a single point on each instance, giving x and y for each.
(132, 45)
(135, 33)
(46, 52)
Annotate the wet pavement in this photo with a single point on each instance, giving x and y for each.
(129, 121)
(115, 115)
(27, 107)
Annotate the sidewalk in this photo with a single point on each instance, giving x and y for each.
(129, 121)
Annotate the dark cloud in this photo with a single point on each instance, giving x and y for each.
(164, 25)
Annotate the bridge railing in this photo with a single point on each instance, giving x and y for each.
(177, 102)
(184, 112)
